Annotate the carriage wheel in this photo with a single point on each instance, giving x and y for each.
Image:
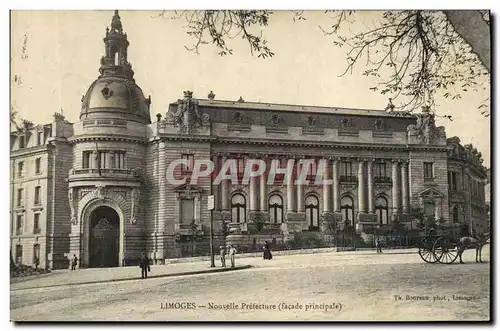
(445, 250)
(425, 251)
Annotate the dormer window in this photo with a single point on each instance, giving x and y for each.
(39, 138)
(22, 141)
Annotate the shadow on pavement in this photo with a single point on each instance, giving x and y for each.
(187, 273)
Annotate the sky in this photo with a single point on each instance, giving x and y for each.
(64, 48)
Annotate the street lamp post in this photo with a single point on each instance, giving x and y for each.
(211, 206)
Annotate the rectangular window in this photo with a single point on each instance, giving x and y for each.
(20, 192)
(452, 180)
(20, 169)
(241, 166)
(36, 223)
(87, 157)
(102, 158)
(187, 211)
(19, 224)
(39, 138)
(19, 254)
(21, 142)
(313, 169)
(188, 164)
(36, 253)
(428, 170)
(380, 170)
(429, 209)
(120, 160)
(38, 192)
(346, 169)
(37, 165)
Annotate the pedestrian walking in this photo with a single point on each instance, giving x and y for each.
(144, 265)
(74, 262)
(232, 255)
(378, 245)
(37, 262)
(267, 252)
(223, 255)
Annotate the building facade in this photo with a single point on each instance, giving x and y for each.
(98, 188)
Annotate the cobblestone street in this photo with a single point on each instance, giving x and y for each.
(361, 286)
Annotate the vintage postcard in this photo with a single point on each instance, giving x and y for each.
(250, 165)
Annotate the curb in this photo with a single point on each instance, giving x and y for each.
(187, 273)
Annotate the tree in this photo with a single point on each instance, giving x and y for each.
(259, 222)
(414, 54)
(16, 81)
(329, 222)
(195, 236)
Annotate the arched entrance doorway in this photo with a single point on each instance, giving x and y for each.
(104, 239)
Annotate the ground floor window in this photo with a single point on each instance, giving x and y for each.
(19, 254)
(347, 209)
(312, 212)
(187, 211)
(238, 208)
(382, 210)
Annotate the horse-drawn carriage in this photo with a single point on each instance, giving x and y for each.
(445, 247)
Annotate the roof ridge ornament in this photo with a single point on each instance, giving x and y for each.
(116, 23)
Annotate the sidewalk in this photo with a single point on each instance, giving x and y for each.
(177, 267)
(102, 275)
(335, 250)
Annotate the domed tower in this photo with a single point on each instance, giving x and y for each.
(114, 93)
(109, 149)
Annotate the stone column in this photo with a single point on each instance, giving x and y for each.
(290, 192)
(361, 187)
(371, 202)
(326, 188)
(253, 193)
(215, 188)
(395, 189)
(263, 191)
(336, 200)
(300, 190)
(109, 160)
(94, 160)
(224, 195)
(404, 186)
(162, 208)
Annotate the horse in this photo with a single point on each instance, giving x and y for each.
(470, 242)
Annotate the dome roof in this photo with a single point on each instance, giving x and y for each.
(115, 95)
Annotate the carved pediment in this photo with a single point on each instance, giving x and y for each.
(430, 193)
(188, 118)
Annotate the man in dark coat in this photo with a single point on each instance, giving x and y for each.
(378, 244)
(74, 262)
(144, 265)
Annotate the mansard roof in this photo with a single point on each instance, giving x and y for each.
(264, 106)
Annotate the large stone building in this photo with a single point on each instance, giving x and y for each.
(97, 188)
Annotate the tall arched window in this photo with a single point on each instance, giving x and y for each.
(456, 214)
(347, 209)
(238, 208)
(275, 209)
(312, 212)
(382, 210)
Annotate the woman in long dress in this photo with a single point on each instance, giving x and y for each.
(267, 252)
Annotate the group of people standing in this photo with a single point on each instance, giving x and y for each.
(229, 250)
